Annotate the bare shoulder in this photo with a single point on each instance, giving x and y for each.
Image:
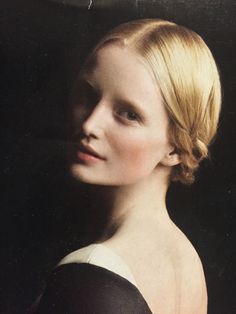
(193, 284)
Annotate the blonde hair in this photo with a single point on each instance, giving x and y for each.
(187, 76)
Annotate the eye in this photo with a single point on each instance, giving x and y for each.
(128, 114)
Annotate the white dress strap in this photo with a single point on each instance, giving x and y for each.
(100, 255)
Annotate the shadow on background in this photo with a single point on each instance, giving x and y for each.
(43, 44)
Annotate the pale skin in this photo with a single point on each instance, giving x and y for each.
(136, 162)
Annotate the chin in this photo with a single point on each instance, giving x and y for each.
(87, 176)
(84, 175)
(81, 175)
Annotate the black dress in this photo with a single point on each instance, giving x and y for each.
(89, 289)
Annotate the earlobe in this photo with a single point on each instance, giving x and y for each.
(171, 159)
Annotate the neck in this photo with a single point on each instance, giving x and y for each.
(129, 210)
(108, 212)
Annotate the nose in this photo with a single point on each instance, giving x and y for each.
(94, 123)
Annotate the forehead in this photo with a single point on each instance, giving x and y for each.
(121, 65)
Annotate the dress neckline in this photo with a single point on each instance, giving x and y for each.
(100, 255)
(119, 259)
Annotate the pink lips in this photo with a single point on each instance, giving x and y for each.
(88, 154)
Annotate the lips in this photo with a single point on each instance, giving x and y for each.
(89, 151)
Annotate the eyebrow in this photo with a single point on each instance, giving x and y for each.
(84, 79)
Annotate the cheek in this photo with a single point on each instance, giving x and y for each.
(137, 155)
(77, 115)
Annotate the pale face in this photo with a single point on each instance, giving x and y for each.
(118, 113)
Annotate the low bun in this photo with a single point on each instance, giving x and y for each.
(191, 152)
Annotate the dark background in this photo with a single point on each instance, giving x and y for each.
(42, 44)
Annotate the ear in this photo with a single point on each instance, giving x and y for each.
(171, 158)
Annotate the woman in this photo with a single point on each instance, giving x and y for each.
(145, 108)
